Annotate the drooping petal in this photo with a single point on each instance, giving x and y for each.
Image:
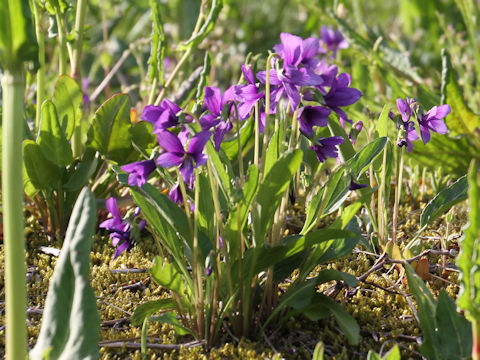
(248, 74)
(186, 169)
(425, 134)
(139, 172)
(111, 205)
(438, 126)
(213, 100)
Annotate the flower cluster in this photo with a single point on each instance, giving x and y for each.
(300, 79)
(432, 120)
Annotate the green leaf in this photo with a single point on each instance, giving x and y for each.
(171, 318)
(52, 139)
(109, 133)
(70, 324)
(221, 171)
(443, 201)
(452, 154)
(206, 209)
(461, 120)
(344, 320)
(383, 121)
(331, 274)
(157, 53)
(41, 173)
(166, 275)
(318, 352)
(274, 150)
(454, 331)
(426, 307)
(271, 192)
(346, 149)
(468, 260)
(230, 146)
(237, 219)
(68, 100)
(17, 38)
(393, 354)
(362, 159)
(337, 189)
(79, 175)
(143, 138)
(149, 308)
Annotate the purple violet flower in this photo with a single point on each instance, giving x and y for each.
(405, 109)
(214, 102)
(120, 229)
(163, 116)
(432, 120)
(333, 39)
(310, 116)
(139, 172)
(327, 147)
(176, 155)
(340, 94)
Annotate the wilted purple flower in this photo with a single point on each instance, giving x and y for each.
(355, 186)
(333, 39)
(340, 94)
(175, 194)
(310, 116)
(405, 109)
(247, 95)
(120, 229)
(163, 116)
(355, 130)
(176, 155)
(139, 172)
(432, 120)
(327, 147)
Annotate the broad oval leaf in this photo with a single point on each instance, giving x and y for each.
(52, 139)
(42, 173)
(109, 133)
(149, 308)
(68, 100)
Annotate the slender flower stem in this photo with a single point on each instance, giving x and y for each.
(79, 26)
(382, 211)
(13, 85)
(41, 59)
(173, 74)
(266, 130)
(398, 193)
(185, 200)
(476, 339)
(257, 135)
(197, 266)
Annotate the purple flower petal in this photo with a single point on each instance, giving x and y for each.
(169, 159)
(170, 142)
(197, 144)
(139, 172)
(213, 100)
(292, 48)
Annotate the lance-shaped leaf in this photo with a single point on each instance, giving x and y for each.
(461, 120)
(157, 54)
(469, 261)
(52, 139)
(109, 133)
(70, 324)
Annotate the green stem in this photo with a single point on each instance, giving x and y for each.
(257, 135)
(398, 193)
(62, 38)
(41, 59)
(77, 50)
(173, 74)
(13, 85)
(266, 131)
(382, 210)
(197, 266)
(185, 200)
(476, 339)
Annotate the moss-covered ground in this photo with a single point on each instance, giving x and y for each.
(378, 304)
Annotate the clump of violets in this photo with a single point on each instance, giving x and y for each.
(432, 120)
(122, 231)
